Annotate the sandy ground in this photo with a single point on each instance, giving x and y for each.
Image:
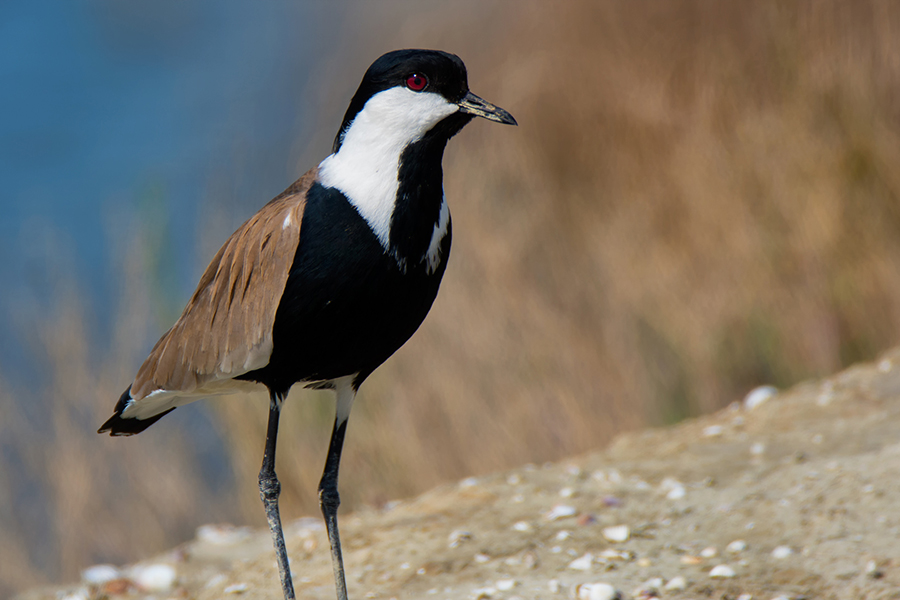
(796, 497)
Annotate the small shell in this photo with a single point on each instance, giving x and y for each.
(782, 552)
(582, 563)
(721, 572)
(596, 591)
(617, 533)
(676, 584)
(560, 511)
(457, 537)
(736, 546)
(758, 396)
(154, 578)
(99, 574)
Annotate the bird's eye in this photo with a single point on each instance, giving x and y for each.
(416, 82)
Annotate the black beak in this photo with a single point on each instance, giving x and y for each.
(474, 105)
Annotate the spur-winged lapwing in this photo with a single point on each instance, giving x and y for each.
(330, 278)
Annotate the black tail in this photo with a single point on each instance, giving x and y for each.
(117, 425)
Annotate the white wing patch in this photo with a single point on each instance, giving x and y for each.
(159, 401)
(365, 168)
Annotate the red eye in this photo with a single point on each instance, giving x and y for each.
(416, 82)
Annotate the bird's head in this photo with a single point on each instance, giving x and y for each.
(406, 94)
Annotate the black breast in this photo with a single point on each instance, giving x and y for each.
(346, 305)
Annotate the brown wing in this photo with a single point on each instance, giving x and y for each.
(226, 328)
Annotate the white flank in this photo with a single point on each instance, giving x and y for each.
(343, 388)
(287, 221)
(365, 168)
(440, 232)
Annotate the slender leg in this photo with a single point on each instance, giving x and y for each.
(269, 489)
(329, 499)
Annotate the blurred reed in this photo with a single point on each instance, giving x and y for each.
(701, 197)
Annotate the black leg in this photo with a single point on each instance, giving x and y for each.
(269, 489)
(329, 500)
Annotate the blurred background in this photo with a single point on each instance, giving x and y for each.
(701, 197)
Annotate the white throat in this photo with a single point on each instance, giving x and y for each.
(366, 167)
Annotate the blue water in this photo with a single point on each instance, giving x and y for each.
(120, 116)
(108, 107)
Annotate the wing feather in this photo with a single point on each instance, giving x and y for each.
(226, 327)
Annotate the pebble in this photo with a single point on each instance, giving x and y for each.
(676, 584)
(514, 479)
(99, 574)
(721, 571)
(482, 558)
(235, 588)
(79, 594)
(782, 552)
(485, 592)
(457, 537)
(885, 365)
(222, 535)
(586, 519)
(582, 563)
(504, 585)
(690, 559)
(523, 526)
(736, 546)
(563, 535)
(596, 591)
(713, 431)
(553, 586)
(676, 493)
(154, 578)
(648, 589)
(757, 448)
(566, 492)
(709, 552)
(612, 554)
(826, 395)
(560, 511)
(873, 571)
(617, 533)
(469, 482)
(758, 396)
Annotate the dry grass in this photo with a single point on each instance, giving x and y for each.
(701, 197)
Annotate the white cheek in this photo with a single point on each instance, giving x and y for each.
(365, 168)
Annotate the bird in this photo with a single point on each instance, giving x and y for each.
(326, 281)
